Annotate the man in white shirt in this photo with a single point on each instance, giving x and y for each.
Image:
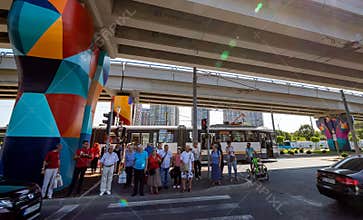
(108, 162)
(159, 148)
(166, 156)
(231, 161)
(197, 164)
(187, 164)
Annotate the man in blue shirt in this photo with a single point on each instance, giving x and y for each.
(140, 167)
(250, 153)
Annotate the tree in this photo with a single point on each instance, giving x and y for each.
(280, 139)
(305, 131)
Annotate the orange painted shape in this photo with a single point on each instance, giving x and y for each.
(93, 93)
(59, 4)
(50, 44)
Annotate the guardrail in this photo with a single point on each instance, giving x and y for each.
(120, 61)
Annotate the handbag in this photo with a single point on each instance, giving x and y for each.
(122, 178)
(58, 181)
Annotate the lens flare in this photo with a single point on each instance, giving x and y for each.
(225, 55)
(258, 7)
(123, 203)
(232, 43)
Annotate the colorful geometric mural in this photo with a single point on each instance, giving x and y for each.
(61, 75)
(338, 127)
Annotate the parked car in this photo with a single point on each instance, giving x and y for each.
(343, 181)
(19, 200)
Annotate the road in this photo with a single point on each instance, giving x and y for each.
(290, 194)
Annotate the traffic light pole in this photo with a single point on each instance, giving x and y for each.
(195, 112)
(208, 144)
(109, 124)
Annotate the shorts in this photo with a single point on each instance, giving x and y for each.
(187, 175)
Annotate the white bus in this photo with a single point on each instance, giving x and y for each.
(261, 139)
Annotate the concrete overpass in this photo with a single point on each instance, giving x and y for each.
(164, 84)
(280, 41)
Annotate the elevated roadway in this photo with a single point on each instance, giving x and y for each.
(152, 83)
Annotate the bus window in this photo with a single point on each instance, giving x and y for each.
(223, 136)
(135, 137)
(251, 136)
(145, 138)
(238, 136)
(166, 136)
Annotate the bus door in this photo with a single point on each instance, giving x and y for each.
(263, 141)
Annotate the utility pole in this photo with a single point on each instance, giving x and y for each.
(109, 123)
(350, 123)
(208, 144)
(195, 110)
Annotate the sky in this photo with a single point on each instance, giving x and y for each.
(289, 123)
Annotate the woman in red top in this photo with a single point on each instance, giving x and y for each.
(154, 180)
(95, 150)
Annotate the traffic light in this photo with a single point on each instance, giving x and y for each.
(204, 124)
(108, 120)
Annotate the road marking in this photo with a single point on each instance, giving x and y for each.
(172, 210)
(62, 212)
(235, 217)
(90, 189)
(170, 201)
(307, 201)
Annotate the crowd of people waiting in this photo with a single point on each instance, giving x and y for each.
(150, 165)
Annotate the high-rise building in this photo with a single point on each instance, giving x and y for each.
(172, 115)
(254, 119)
(156, 115)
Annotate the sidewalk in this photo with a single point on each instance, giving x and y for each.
(91, 186)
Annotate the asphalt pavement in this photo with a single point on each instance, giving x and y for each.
(289, 194)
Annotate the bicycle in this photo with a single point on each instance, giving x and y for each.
(259, 170)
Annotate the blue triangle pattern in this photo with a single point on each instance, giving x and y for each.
(82, 59)
(69, 79)
(32, 117)
(30, 30)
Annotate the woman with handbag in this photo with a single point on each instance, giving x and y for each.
(51, 166)
(187, 165)
(153, 179)
(216, 159)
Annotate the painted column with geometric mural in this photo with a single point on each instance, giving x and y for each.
(61, 75)
(336, 130)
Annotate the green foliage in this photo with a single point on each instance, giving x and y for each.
(305, 131)
(308, 152)
(344, 154)
(280, 139)
(302, 139)
(315, 139)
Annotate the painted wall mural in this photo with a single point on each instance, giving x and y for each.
(61, 75)
(335, 126)
(122, 109)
